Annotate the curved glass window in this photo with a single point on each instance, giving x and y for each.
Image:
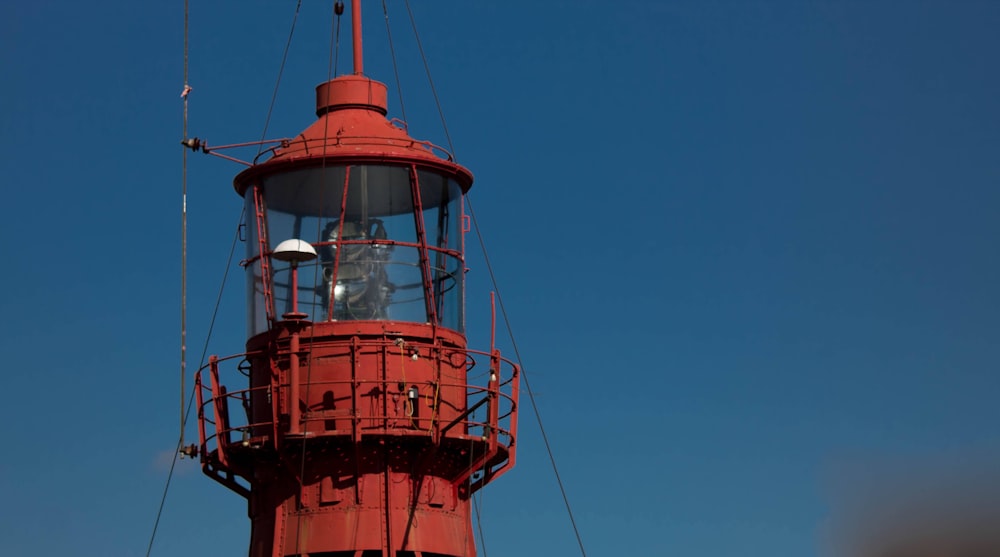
(388, 240)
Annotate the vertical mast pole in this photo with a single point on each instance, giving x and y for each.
(356, 35)
(184, 134)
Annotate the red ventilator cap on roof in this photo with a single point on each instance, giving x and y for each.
(351, 91)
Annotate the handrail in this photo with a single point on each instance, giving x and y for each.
(319, 416)
(225, 429)
(315, 143)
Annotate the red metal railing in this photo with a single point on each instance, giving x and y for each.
(319, 143)
(488, 418)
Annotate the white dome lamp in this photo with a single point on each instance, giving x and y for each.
(294, 251)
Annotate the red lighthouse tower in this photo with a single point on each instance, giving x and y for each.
(358, 423)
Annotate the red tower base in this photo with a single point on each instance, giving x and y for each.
(358, 443)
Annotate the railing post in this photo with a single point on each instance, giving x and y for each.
(200, 398)
(515, 393)
(355, 419)
(295, 427)
(273, 387)
(355, 387)
(220, 426)
(494, 406)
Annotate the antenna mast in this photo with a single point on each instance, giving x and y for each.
(356, 36)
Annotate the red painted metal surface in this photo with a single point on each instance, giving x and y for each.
(358, 437)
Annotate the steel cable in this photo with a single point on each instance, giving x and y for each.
(187, 411)
(524, 375)
(184, 151)
(430, 80)
(183, 355)
(503, 310)
(277, 82)
(478, 507)
(395, 69)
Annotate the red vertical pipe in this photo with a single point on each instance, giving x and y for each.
(493, 322)
(293, 368)
(356, 33)
(293, 356)
(218, 399)
(295, 287)
(202, 439)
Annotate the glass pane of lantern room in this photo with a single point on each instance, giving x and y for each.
(256, 313)
(373, 267)
(441, 200)
(369, 264)
(296, 203)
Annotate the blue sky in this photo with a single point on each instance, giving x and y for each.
(749, 250)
